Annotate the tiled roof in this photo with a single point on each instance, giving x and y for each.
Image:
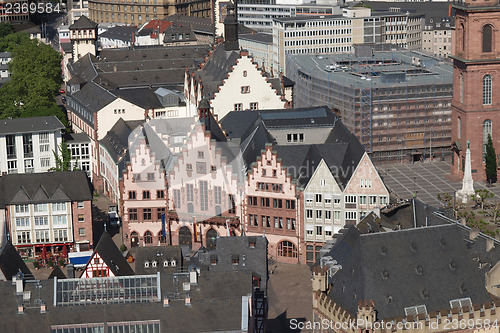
(30, 125)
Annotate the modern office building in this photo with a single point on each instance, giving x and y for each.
(398, 103)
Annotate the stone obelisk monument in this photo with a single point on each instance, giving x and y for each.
(467, 183)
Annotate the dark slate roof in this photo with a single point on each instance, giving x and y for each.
(197, 24)
(143, 97)
(178, 29)
(287, 82)
(93, 97)
(11, 262)
(401, 216)
(116, 140)
(30, 125)
(258, 37)
(123, 33)
(160, 254)
(45, 187)
(76, 137)
(423, 266)
(83, 23)
(28, 27)
(67, 47)
(109, 252)
(84, 68)
(254, 258)
(56, 272)
(215, 306)
(431, 9)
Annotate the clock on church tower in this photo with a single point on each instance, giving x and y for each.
(476, 83)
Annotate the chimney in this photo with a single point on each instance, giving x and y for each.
(19, 284)
(70, 271)
(473, 233)
(193, 276)
(20, 309)
(43, 308)
(490, 244)
(166, 302)
(188, 300)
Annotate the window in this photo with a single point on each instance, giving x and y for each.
(309, 213)
(322, 182)
(151, 176)
(201, 154)
(487, 90)
(486, 132)
(487, 38)
(22, 209)
(159, 213)
(245, 89)
(189, 167)
(245, 73)
(177, 199)
(12, 166)
(146, 195)
(132, 195)
(238, 107)
(58, 220)
(362, 199)
(213, 168)
(336, 214)
(160, 194)
(232, 205)
(132, 214)
(254, 106)
(61, 235)
(264, 202)
(146, 213)
(350, 215)
(319, 198)
(81, 232)
(43, 140)
(203, 195)
(42, 236)
(59, 206)
(319, 230)
(459, 128)
(373, 200)
(218, 195)
(45, 162)
(40, 208)
(383, 201)
(28, 145)
(461, 89)
(287, 249)
(80, 205)
(81, 218)
(11, 146)
(137, 177)
(290, 204)
(328, 215)
(319, 214)
(22, 221)
(277, 203)
(190, 192)
(148, 237)
(23, 237)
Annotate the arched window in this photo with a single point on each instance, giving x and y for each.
(487, 90)
(287, 249)
(487, 38)
(462, 29)
(162, 238)
(134, 239)
(211, 239)
(148, 237)
(461, 87)
(486, 131)
(459, 128)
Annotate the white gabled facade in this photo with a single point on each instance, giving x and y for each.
(364, 191)
(323, 205)
(244, 88)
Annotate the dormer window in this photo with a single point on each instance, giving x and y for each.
(154, 263)
(165, 263)
(236, 259)
(173, 263)
(146, 264)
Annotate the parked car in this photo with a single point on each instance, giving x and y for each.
(63, 99)
(62, 91)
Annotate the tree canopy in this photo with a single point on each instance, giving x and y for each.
(490, 161)
(35, 78)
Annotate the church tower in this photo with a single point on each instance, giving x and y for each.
(476, 83)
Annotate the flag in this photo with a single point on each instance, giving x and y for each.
(163, 231)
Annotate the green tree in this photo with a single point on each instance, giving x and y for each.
(481, 196)
(35, 78)
(63, 158)
(9, 42)
(6, 29)
(491, 162)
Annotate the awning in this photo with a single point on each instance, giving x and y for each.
(328, 228)
(309, 227)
